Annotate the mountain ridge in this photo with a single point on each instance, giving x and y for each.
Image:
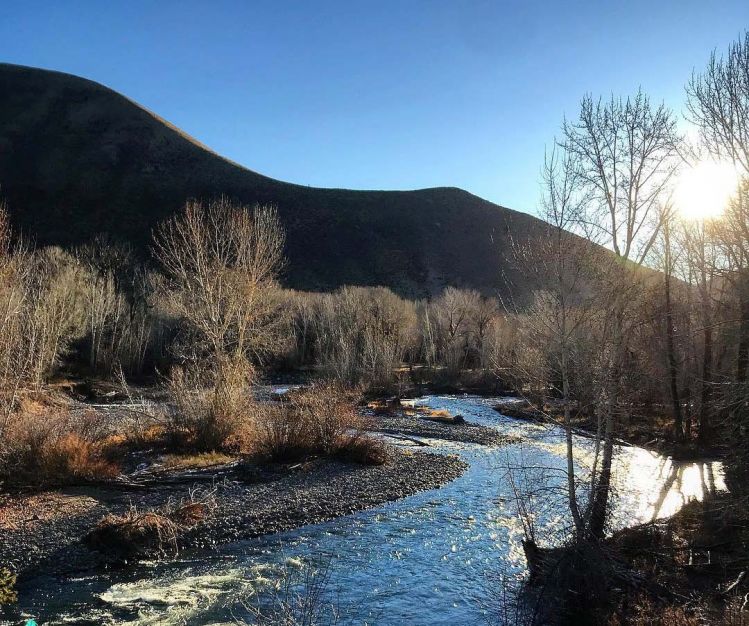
(78, 159)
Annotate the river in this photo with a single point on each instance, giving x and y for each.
(437, 557)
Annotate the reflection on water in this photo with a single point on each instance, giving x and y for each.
(664, 486)
(421, 560)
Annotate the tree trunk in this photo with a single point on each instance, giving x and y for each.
(571, 492)
(670, 347)
(600, 496)
(673, 367)
(707, 372)
(742, 357)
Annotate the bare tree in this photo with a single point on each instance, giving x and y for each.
(221, 262)
(561, 268)
(668, 267)
(701, 263)
(718, 103)
(362, 334)
(627, 152)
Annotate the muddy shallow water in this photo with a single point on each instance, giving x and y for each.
(432, 558)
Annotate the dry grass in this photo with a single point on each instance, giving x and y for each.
(145, 534)
(8, 593)
(191, 461)
(53, 449)
(438, 415)
(645, 613)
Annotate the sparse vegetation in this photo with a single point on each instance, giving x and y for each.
(300, 598)
(140, 534)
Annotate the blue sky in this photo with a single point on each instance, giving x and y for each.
(376, 94)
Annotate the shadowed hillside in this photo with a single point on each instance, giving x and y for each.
(77, 159)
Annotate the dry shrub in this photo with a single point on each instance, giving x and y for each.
(361, 334)
(207, 417)
(145, 534)
(53, 449)
(319, 420)
(360, 447)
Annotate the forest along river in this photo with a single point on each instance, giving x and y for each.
(432, 558)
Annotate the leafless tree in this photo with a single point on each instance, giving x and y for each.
(221, 262)
(718, 103)
(700, 255)
(625, 154)
(561, 268)
(362, 334)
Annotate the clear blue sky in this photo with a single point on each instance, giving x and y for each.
(376, 94)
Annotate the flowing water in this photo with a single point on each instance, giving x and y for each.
(433, 558)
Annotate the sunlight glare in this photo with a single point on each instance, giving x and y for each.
(704, 190)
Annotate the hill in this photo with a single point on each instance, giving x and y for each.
(78, 159)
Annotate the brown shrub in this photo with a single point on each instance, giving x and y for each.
(144, 534)
(53, 449)
(319, 420)
(206, 417)
(362, 448)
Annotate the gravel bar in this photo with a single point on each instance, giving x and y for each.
(465, 432)
(42, 534)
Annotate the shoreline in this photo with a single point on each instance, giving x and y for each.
(520, 409)
(41, 533)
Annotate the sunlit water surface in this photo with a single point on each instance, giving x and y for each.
(433, 558)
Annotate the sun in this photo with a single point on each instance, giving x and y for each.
(704, 190)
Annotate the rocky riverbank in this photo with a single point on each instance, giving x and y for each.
(463, 432)
(43, 534)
